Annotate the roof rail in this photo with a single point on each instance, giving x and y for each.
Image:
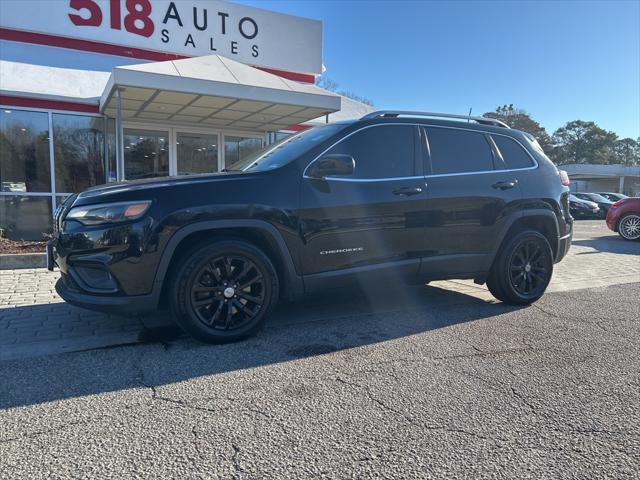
(406, 113)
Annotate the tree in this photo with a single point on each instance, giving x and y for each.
(333, 86)
(521, 120)
(627, 151)
(583, 142)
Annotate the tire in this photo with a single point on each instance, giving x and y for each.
(208, 298)
(629, 226)
(522, 269)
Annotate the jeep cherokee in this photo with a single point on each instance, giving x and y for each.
(404, 196)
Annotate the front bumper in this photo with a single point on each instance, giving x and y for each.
(109, 304)
(564, 244)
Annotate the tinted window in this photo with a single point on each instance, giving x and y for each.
(380, 152)
(458, 151)
(513, 154)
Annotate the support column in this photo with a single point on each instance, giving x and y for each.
(621, 187)
(119, 139)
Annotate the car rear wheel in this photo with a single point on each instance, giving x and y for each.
(223, 291)
(629, 227)
(522, 270)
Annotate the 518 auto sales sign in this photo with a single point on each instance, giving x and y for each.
(182, 27)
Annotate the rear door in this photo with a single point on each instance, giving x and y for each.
(372, 217)
(471, 195)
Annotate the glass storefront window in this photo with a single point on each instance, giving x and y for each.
(281, 135)
(197, 153)
(79, 152)
(236, 148)
(111, 173)
(24, 151)
(25, 217)
(146, 153)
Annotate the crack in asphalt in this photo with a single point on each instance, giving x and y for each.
(38, 433)
(196, 445)
(493, 353)
(598, 322)
(235, 460)
(374, 399)
(408, 418)
(523, 399)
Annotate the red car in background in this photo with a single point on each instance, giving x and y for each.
(624, 217)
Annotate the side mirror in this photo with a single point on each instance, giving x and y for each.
(335, 164)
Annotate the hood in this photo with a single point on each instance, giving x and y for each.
(155, 182)
(588, 203)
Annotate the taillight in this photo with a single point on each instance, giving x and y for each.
(564, 178)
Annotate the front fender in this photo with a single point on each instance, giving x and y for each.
(293, 282)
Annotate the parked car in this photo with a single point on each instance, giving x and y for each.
(583, 208)
(393, 197)
(614, 197)
(602, 202)
(624, 218)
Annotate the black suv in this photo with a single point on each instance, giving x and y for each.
(392, 197)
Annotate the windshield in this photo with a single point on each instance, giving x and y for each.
(282, 152)
(595, 197)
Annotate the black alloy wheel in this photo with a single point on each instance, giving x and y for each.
(228, 292)
(522, 269)
(528, 268)
(224, 290)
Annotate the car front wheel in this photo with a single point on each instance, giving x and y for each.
(522, 270)
(223, 291)
(629, 227)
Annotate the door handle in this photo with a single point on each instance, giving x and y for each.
(505, 185)
(407, 191)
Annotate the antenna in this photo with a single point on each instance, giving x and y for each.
(469, 119)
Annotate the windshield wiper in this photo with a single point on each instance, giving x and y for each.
(231, 170)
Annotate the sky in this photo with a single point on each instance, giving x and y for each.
(559, 61)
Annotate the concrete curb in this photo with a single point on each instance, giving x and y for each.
(23, 260)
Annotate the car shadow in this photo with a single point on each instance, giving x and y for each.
(335, 321)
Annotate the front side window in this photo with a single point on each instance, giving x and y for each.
(512, 153)
(79, 152)
(458, 151)
(24, 151)
(384, 151)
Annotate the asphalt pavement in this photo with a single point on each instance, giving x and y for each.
(427, 383)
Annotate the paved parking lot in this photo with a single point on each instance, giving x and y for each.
(426, 382)
(35, 321)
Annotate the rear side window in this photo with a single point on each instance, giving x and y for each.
(458, 151)
(384, 151)
(513, 154)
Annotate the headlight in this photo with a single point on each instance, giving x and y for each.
(108, 212)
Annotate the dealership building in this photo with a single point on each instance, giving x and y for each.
(95, 91)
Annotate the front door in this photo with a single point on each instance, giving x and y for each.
(470, 198)
(372, 217)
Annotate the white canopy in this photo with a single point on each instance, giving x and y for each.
(213, 90)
